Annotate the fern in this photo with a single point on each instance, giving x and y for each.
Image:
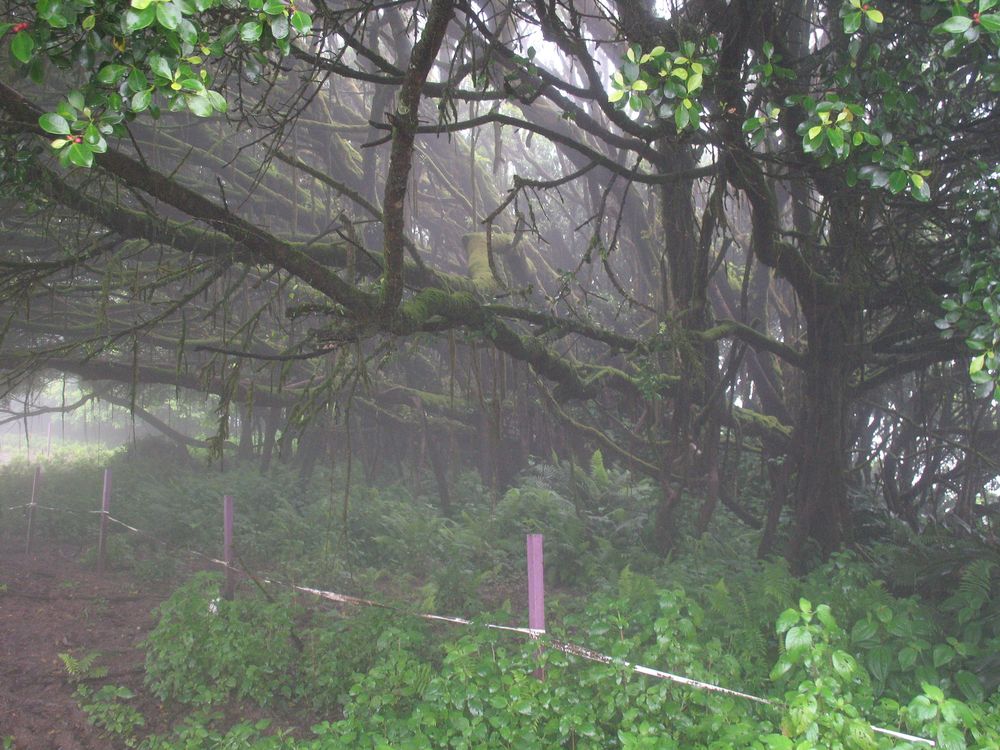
(84, 668)
(974, 585)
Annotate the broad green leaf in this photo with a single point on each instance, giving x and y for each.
(110, 74)
(950, 738)
(250, 31)
(168, 15)
(200, 105)
(22, 45)
(135, 20)
(218, 100)
(875, 16)
(53, 123)
(616, 95)
(852, 22)
(279, 26)
(990, 22)
(844, 663)
(137, 80)
(897, 181)
(970, 685)
(798, 637)
(160, 67)
(907, 657)
(140, 101)
(933, 692)
(141, 4)
(81, 155)
(681, 118)
(301, 22)
(787, 619)
(943, 654)
(187, 32)
(955, 25)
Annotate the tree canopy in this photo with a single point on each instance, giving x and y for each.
(684, 233)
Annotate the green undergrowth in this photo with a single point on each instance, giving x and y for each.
(382, 679)
(903, 633)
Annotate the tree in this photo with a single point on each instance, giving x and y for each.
(677, 229)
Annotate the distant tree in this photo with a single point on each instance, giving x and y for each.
(679, 228)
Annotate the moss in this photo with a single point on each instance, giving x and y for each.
(431, 303)
(478, 259)
(753, 418)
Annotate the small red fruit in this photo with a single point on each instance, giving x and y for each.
(975, 17)
(19, 27)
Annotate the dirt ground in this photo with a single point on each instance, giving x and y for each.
(51, 604)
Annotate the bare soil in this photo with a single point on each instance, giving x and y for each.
(51, 604)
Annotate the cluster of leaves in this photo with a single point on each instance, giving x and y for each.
(156, 50)
(974, 313)
(108, 709)
(665, 83)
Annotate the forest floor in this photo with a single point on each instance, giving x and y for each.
(50, 604)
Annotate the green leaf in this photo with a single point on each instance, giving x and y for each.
(53, 123)
(907, 657)
(863, 631)
(160, 67)
(22, 45)
(135, 20)
(844, 663)
(990, 22)
(187, 32)
(81, 155)
(897, 181)
(836, 137)
(141, 4)
(200, 105)
(110, 74)
(814, 131)
(933, 692)
(301, 22)
(950, 737)
(279, 26)
(681, 118)
(943, 654)
(140, 101)
(616, 95)
(137, 80)
(168, 15)
(954, 25)
(970, 685)
(218, 101)
(852, 22)
(798, 637)
(786, 619)
(875, 16)
(250, 31)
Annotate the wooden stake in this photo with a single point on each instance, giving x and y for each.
(227, 546)
(102, 539)
(536, 587)
(31, 509)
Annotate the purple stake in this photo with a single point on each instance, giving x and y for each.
(31, 508)
(102, 539)
(536, 587)
(227, 545)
